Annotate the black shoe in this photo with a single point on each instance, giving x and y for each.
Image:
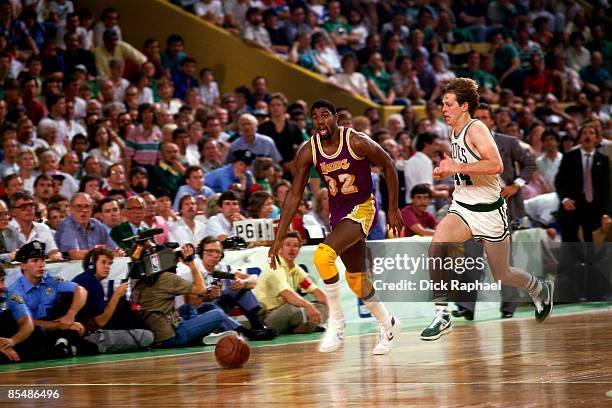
(258, 335)
(507, 315)
(463, 312)
(62, 349)
(544, 302)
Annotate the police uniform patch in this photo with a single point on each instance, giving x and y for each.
(15, 297)
(59, 278)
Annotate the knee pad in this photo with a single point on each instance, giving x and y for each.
(325, 261)
(360, 284)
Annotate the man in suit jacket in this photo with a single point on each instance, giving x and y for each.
(584, 197)
(511, 154)
(583, 187)
(134, 214)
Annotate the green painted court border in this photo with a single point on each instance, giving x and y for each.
(352, 329)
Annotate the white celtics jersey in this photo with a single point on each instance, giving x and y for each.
(472, 189)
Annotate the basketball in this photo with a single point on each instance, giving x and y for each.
(232, 352)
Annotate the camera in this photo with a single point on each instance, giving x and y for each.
(149, 258)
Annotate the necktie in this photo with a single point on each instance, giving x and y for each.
(588, 185)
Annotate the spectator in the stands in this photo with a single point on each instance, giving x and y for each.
(379, 82)
(286, 135)
(295, 25)
(319, 215)
(417, 219)
(43, 188)
(142, 144)
(139, 180)
(187, 228)
(209, 89)
(256, 143)
(260, 205)
(211, 155)
(185, 78)
(79, 232)
(24, 229)
(349, 79)
(108, 212)
(194, 187)
(576, 55)
(173, 54)
(220, 225)
(254, 32)
(124, 232)
(9, 162)
(235, 173)
(109, 20)
(152, 220)
(169, 173)
(113, 47)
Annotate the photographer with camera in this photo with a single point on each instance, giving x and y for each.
(123, 330)
(228, 288)
(156, 293)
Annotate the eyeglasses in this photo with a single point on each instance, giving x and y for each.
(134, 208)
(26, 206)
(4, 213)
(81, 207)
(117, 172)
(212, 251)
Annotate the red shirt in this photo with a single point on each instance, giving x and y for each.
(411, 217)
(538, 83)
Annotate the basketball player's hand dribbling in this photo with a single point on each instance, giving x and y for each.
(446, 168)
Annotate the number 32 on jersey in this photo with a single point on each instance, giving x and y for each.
(347, 181)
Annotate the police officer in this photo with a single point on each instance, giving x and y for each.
(15, 325)
(52, 300)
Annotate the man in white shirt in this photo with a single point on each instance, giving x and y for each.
(419, 168)
(548, 163)
(23, 229)
(187, 229)
(220, 225)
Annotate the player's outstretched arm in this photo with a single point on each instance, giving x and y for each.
(292, 202)
(363, 146)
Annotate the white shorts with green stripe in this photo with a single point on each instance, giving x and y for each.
(488, 222)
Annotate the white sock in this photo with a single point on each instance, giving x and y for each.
(443, 307)
(332, 292)
(380, 313)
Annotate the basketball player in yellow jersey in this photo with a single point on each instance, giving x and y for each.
(343, 159)
(478, 211)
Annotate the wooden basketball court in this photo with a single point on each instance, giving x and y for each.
(516, 362)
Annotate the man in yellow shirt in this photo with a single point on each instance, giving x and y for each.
(282, 307)
(113, 47)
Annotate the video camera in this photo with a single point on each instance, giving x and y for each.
(149, 258)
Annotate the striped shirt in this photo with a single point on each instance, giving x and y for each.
(142, 146)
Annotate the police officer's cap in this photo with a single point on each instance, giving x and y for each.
(34, 249)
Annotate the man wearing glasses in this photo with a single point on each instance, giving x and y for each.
(23, 229)
(134, 214)
(225, 294)
(79, 232)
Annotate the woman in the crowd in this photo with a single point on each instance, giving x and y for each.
(107, 146)
(260, 205)
(28, 163)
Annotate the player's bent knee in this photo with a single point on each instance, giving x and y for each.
(360, 284)
(325, 261)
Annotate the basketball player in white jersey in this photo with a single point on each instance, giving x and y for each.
(478, 210)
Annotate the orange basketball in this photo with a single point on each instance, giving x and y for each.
(232, 351)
